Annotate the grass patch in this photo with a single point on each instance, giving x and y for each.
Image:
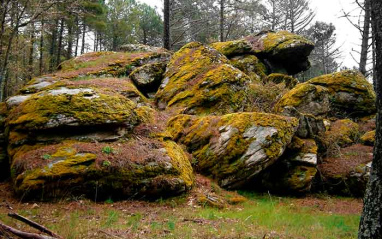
(259, 216)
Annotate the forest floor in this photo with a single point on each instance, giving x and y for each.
(260, 216)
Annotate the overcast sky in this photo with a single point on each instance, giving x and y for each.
(348, 36)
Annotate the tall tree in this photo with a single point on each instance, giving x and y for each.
(365, 38)
(166, 25)
(371, 220)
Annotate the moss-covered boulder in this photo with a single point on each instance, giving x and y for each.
(148, 77)
(342, 133)
(250, 65)
(294, 172)
(368, 138)
(199, 80)
(287, 50)
(142, 168)
(347, 173)
(140, 48)
(65, 107)
(278, 78)
(4, 161)
(307, 99)
(351, 95)
(233, 148)
(309, 125)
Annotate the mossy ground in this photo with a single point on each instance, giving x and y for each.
(261, 216)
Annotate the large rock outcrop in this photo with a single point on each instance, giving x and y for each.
(236, 147)
(283, 51)
(200, 80)
(138, 123)
(342, 94)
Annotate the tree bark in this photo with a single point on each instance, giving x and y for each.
(59, 47)
(77, 37)
(83, 38)
(222, 20)
(166, 25)
(52, 49)
(31, 52)
(365, 39)
(70, 40)
(371, 219)
(41, 62)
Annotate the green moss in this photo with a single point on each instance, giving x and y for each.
(300, 178)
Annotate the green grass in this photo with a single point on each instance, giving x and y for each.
(170, 218)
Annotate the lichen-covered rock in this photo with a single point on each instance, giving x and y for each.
(351, 95)
(65, 107)
(250, 65)
(307, 99)
(4, 161)
(233, 148)
(148, 77)
(347, 173)
(140, 48)
(368, 138)
(135, 168)
(282, 48)
(294, 172)
(198, 80)
(309, 125)
(278, 78)
(342, 133)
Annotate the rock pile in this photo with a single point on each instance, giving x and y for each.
(142, 122)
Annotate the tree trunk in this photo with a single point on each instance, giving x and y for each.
(365, 39)
(222, 20)
(166, 25)
(70, 40)
(52, 49)
(371, 220)
(83, 38)
(41, 62)
(59, 47)
(77, 37)
(31, 52)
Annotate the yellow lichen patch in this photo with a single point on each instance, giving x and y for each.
(368, 138)
(199, 81)
(232, 48)
(300, 178)
(349, 90)
(146, 114)
(342, 133)
(250, 65)
(214, 92)
(124, 169)
(186, 65)
(180, 162)
(306, 98)
(222, 145)
(276, 41)
(277, 78)
(46, 110)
